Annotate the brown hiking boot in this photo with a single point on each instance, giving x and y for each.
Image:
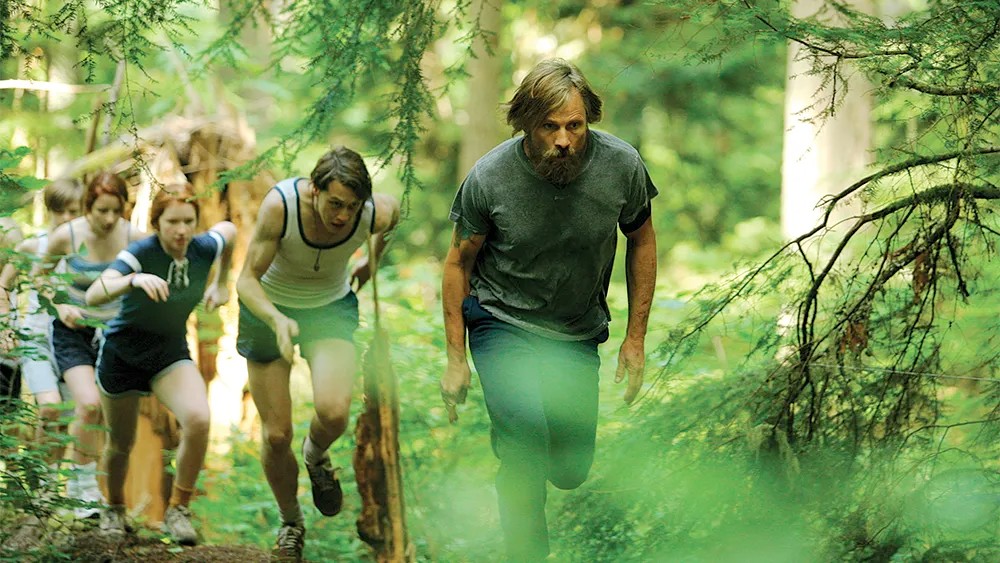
(288, 546)
(326, 492)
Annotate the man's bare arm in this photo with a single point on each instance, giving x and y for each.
(386, 219)
(640, 277)
(261, 252)
(455, 287)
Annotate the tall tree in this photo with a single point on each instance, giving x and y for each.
(483, 85)
(828, 126)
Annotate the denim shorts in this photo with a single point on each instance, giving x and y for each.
(74, 347)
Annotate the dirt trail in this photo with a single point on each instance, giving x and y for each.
(32, 542)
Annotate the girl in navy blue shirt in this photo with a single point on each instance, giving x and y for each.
(161, 279)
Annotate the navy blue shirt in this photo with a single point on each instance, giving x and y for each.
(187, 284)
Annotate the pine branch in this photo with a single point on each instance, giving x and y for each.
(791, 34)
(938, 90)
(830, 202)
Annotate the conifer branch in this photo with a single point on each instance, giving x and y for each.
(939, 90)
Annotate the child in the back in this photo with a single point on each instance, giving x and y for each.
(62, 202)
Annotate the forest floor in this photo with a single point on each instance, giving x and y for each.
(91, 547)
(84, 544)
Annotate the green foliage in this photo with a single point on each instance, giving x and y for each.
(24, 469)
(31, 504)
(326, 53)
(345, 48)
(713, 154)
(14, 188)
(855, 337)
(807, 407)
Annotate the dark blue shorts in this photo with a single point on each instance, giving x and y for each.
(336, 320)
(129, 362)
(74, 347)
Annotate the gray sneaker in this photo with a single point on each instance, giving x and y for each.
(113, 525)
(177, 523)
(288, 546)
(84, 488)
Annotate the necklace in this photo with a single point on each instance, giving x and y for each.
(316, 220)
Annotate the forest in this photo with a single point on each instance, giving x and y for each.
(820, 378)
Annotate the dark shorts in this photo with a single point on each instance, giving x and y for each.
(129, 363)
(336, 320)
(74, 347)
(10, 385)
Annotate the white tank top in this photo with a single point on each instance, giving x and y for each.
(304, 275)
(36, 319)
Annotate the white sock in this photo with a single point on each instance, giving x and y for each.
(311, 454)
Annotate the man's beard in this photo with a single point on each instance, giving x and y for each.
(559, 167)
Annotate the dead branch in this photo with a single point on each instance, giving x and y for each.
(112, 101)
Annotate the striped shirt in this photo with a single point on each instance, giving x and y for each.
(82, 274)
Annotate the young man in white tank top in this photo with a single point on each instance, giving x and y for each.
(295, 288)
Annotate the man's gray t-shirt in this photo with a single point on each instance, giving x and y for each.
(546, 262)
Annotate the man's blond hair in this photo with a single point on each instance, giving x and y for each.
(546, 89)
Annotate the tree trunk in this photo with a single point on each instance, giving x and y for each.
(827, 144)
(148, 484)
(382, 522)
(255, 37)
(827, 141)
(482, 107)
